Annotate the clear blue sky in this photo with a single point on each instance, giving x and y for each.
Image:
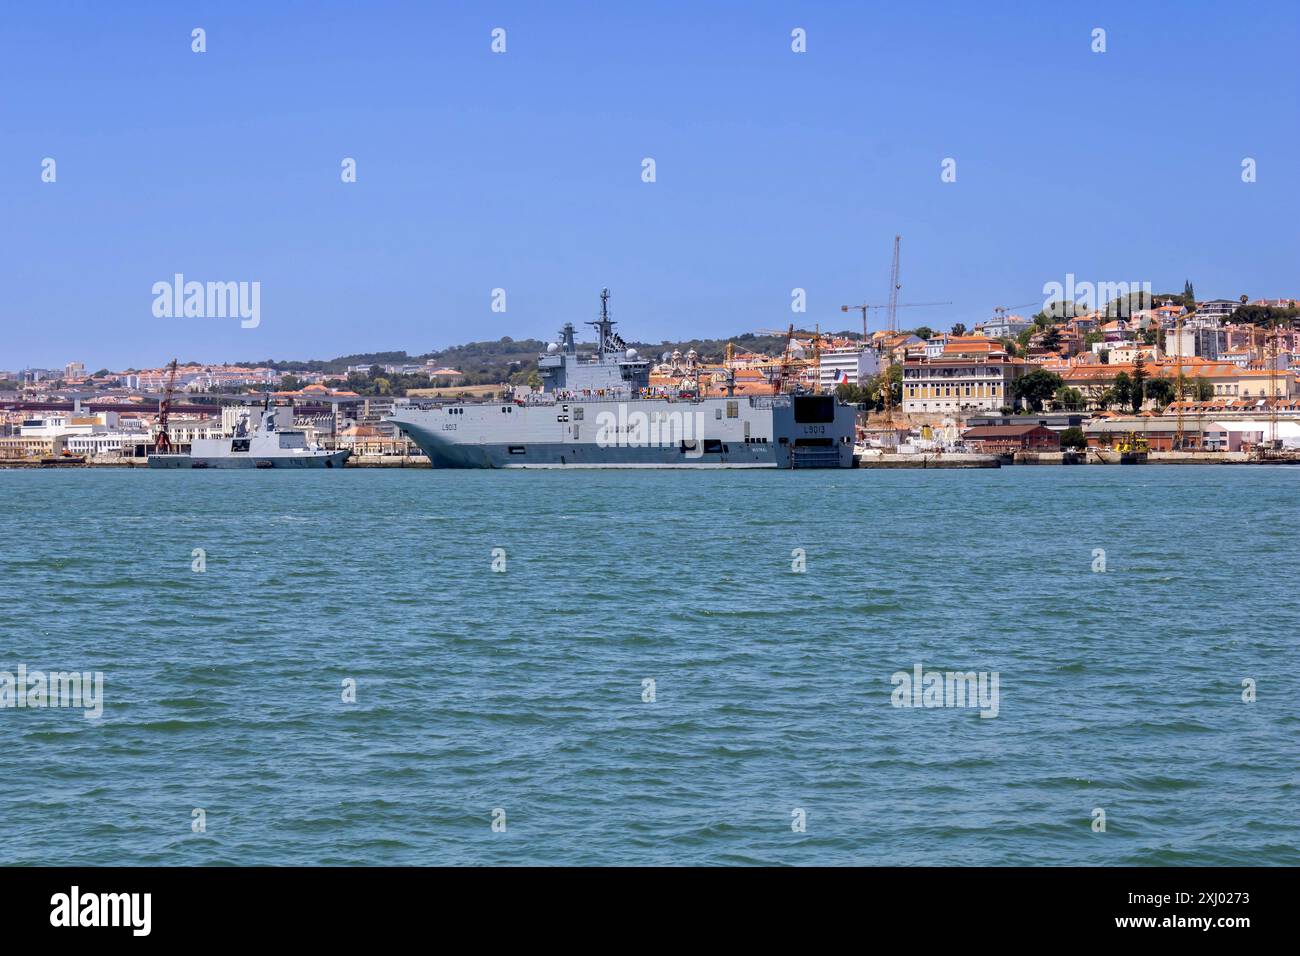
(523, 170)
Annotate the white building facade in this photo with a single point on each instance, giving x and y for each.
(851, 366)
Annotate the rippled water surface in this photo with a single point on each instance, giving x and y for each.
(523, 690)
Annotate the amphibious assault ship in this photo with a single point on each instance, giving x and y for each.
(270, 441)
(598, 411)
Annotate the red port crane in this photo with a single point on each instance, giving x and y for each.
(163, 444)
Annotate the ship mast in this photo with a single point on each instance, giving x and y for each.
(606, 340)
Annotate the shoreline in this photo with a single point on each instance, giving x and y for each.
(919, 461)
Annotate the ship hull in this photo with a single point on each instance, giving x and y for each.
(724, 433)
(331, 460)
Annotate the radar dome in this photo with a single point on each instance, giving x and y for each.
(552, 348)
(631, 355)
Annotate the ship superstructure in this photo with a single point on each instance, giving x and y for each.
(263, 438)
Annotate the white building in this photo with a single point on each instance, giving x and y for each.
(851, 366)
(1197, 338)
(105, 444)
(1003, 326)
(965, 378)
(1217, 308)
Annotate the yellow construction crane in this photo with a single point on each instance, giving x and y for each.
(787, 355)
(1180, 393)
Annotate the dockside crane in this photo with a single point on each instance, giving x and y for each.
(163, 444)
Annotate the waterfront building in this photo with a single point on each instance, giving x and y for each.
(109, 444)
(1056, 421)
(1225, 378)
(1008, 439)
(971, 374)
(1159, 433)
(31, 446)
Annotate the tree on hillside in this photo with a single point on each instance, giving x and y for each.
(1139, 384)
(959, 328)
(872, 392)
(923, 332)
(1036, 387)
(1189, 296)
(1204, 389)
(1161, 391)
(1125, 305)
(1121, 390)
(1067, 397)
(1057, 311)
(1262, 315)
(851, 394)
(1052, 339)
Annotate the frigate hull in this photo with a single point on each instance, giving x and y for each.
(335, 459)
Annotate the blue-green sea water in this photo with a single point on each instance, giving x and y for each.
(522, 691)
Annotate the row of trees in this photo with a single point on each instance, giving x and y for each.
(1126, 391)
(1040, 386)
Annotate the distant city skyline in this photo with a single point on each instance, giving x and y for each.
(523, 171)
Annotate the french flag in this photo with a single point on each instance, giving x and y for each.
(840, 375)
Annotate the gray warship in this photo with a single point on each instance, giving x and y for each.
(263, 438)
(598, 411)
